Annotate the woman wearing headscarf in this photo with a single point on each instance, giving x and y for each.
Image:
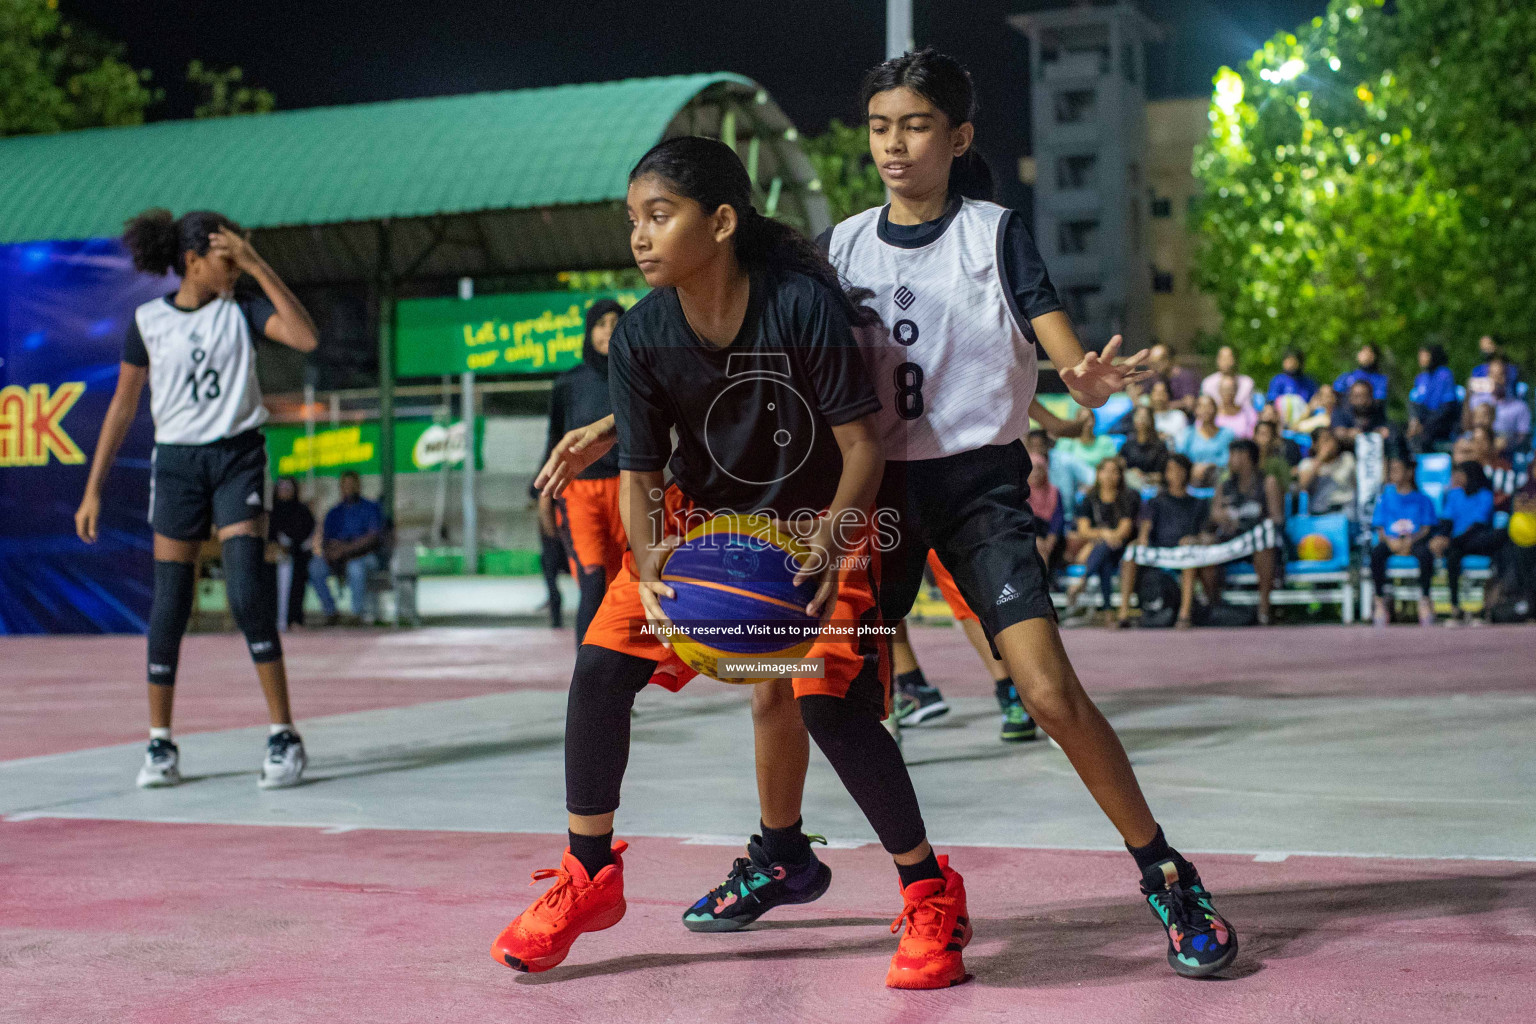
(1434, 410)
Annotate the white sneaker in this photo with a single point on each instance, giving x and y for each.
(161, 765)
(284, 764)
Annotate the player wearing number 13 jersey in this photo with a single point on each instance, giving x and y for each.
(196, 347)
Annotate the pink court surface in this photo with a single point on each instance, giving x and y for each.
(1358, 800)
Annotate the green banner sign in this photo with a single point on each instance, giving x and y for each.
(524, 332)
(421, 446)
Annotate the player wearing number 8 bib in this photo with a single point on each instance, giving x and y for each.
(196, 347)
(964, 297)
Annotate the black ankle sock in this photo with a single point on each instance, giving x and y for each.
(911, 680)
(594, 852)
(1005, 691)
(1158, 851)
(928, 867)
(786, 845)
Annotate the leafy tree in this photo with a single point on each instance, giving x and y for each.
(55, 75)
(849, 178)
(1368, 178)
(221, 94)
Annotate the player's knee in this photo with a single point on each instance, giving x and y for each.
(175, 587)
(1048, 702)
(601, 673)
(251, 590)
(774, 702)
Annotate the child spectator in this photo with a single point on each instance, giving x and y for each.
(1465, 527)
(1368, 369)
(1171, 422)
(1144, 453)
(1238, 417)
(1434, 409)
(1173, 518)
(1403, 520)
(1327, 475)
(1226, 369)
(1045, 502)
(1290, 380)
(1206, 444)
(1510, 417)
(1105, 524)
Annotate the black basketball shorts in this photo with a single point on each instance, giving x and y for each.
(973, 509)
(195, 486)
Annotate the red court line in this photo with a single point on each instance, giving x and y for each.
(135, 922)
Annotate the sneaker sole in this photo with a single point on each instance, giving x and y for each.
(262, 782)
(1023, 737)
(534, 965)
(924, 714)
(914, 980)
(1206, 970)
(159, 782)
(736, 924)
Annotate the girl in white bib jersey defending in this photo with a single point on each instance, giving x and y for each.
(196, 347)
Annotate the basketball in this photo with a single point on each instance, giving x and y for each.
(1522, 529)
(1314, 547)
(736, 596)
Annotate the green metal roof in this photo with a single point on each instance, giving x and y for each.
(517, 150)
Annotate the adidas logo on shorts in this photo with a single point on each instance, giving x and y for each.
(1009, 593)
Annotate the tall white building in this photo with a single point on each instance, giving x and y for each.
(1092, 206)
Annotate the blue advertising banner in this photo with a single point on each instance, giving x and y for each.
(64, 307)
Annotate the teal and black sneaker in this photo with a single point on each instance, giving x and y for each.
(755, 887)
(1018, 727)
(1200, 941)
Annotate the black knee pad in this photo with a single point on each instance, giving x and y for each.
(250, 583)
(168, 615)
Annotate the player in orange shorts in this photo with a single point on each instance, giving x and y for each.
(745, 349)
(586, 514)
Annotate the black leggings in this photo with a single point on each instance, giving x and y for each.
(848, 732)
(1379, 555)
(1103, 562)
(1479, 539)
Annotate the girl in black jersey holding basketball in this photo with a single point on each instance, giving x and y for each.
(196, 348)
(744, 312)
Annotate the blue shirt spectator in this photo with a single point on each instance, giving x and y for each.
(1212, 450)
(1464, 511)
(1377, 381)
(1433, 389)
(1402, 515)
(1291, 384)
(352, 519)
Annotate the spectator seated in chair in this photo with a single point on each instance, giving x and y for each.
(1500, 409)
(1245, 498)
(1144, 453)
(1226, 369)
(1290, 380)
(1403, 521)
(1206, 444)
(1173, 518)
(1237, 416)
(1327, 475)
(1465, 527)
(1491, 348)
(1105, 524)
(352, 535)
(1171, 421)
(1511, 597)
(1273, 460)
(1183, 383)
(1045, 501)
(1434, 409)
(1368, 369)
(1362, 414)
(1320, 411)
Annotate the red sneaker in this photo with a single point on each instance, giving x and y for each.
(938, 928)
(541, 936)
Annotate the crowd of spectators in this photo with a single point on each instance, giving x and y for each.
(1198, 460)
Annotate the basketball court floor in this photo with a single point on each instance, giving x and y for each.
(1360, 801)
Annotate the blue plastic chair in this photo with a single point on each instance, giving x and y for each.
(1335, 527)
(1434, 477)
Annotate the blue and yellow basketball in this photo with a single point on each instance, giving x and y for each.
(730, 574)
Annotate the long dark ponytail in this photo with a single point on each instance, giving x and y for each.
(711, 174)
(943, 81)
(159, 241)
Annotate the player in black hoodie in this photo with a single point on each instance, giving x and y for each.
(586, 515)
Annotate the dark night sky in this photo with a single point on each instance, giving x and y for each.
(808, 53)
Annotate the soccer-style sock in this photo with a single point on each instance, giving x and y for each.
(1158, 851)
(908, 682)
(928, 867)
(786, 845)
(594, 852)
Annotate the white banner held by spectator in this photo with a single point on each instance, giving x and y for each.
(1195, 556)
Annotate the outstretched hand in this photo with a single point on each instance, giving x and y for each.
(1093, 380)
(577, 450)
